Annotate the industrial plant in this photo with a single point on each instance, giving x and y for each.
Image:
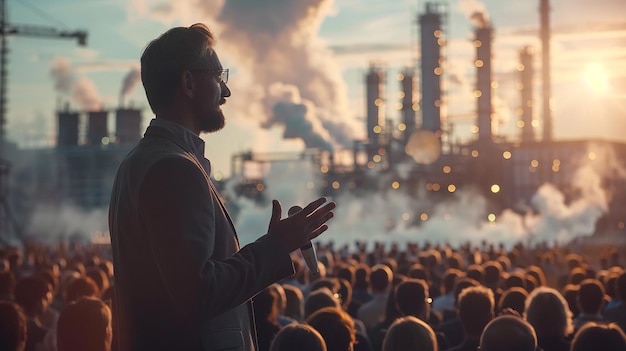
(419, 155)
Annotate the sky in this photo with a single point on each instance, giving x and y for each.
(298, 67)
(297, 72)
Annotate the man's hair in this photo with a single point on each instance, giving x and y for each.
(508, 333)
(411, 297)
(547, 311)
(319, 299)
(84, 325)
(594, 336)
(409, 333)
(475, 309)
(380, 278)
(590, 296)
(295, 302)
(12, 325)
(167, 57)
(297, 336)
(335, 326)
(514, 297)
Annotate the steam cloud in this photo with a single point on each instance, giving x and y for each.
(475, 11)
(80, 89)
(130, 81)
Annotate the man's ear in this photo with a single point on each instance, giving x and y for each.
(187, 84)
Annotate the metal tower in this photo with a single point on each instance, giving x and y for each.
(6, 216)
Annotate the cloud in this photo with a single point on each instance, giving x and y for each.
(79, 88)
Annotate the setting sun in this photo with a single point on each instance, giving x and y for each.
(596, 78)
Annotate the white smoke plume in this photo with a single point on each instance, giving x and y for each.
(130, 81)
(475, 11)
(56, 222)
(79, 88)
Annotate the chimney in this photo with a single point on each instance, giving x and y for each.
(483, 81)
(431, 39)
(526, 70)
(97, 127)
(127, 125)
(67, 134)
(407, 85)
(375, 111)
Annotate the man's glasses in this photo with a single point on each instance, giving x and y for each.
(221, 73)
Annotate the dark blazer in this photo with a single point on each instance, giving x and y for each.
(181, 280)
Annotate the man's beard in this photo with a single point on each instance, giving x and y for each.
(214, 122)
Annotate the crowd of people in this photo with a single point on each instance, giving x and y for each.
(386, 298)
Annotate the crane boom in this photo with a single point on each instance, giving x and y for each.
(44, 32)
(6, 29)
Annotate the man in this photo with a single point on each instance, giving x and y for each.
(475, 309)
(508, 333)
(85, 324)
(181, 280)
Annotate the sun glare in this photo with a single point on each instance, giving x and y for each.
(597, 78)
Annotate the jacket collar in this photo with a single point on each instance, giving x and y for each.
(180, 135)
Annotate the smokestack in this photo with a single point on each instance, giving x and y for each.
(483, 81)
(544, 11)
(407, 84)
(127, 125)
(375, 112)
(96, 127)
(67, 134)
(526, 70)
(431, 39)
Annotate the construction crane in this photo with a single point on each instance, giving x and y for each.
(7, 218)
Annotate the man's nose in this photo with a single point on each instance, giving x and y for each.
(225, 90)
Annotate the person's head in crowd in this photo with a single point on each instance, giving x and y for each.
(462, 284)
(314, 277)
(380, 278)
(450, 278)
(492, 274)
(505, 262)
(514, 279)
(514, 298)
(99, 277)
(475, 309)
(345, 292)
(13, 327)
(50, 278)
(391, 307)
(455, 260)
(329, 282)
(577, 275)
(408, 334)
(621, 286)
(107, 267)
(570, 294)
(295, 302)
(531, 282)
(77, 266)
(573, 260)
(594, 336)
(85, 324)
(418, 271)
(362, 277)
(335, 326)
(266, 306)
(591, 296)
(319, 299)
(537, 273)
(547, 311)
(508, 333)
(391, 263)
(476, 272)
(298, 336)
(347, 272)
(83, 286)
(34, 295)
(412, 298)
(7, 285)
(610, 284)
(282, 299)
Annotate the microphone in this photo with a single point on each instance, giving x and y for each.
(308, 250)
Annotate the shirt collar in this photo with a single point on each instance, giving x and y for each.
(182, 136)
